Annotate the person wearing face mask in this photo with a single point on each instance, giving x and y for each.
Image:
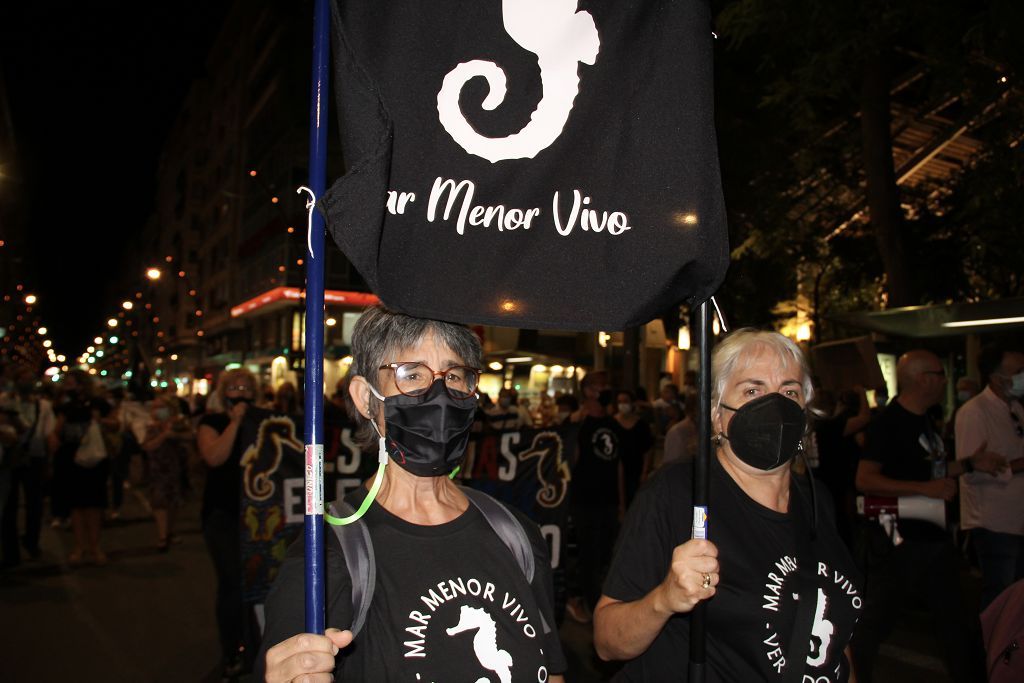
(450, 603)
(221, 451)
(506, 415)
(167, 442)
(905, 456)
(781, 589)
(992, 507)
(636, 441)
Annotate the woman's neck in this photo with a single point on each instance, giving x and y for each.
(427, 501)
(770, 489)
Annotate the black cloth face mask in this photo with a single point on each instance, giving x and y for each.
(766, 432)
(234, 401)
(427, 434)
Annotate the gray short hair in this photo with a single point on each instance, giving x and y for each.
(380, 334)
(726, 359)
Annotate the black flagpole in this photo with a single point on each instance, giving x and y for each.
(700, 481)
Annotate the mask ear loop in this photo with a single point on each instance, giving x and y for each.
(382, 460)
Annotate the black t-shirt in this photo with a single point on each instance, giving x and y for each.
(750, 618)
(223, 490)
(450, 604)
(907, 447)
(595, 478)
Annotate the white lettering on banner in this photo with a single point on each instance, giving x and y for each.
(553, 535)
(561, 37)
(477, 215)
(507, 469)
(293, 489)
(616, 222)
(398, 200)
(349, 462)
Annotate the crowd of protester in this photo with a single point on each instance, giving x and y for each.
(168, 448)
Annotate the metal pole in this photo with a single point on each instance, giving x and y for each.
(700, 480)
(314, 380)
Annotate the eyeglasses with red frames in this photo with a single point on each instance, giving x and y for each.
(414, 379)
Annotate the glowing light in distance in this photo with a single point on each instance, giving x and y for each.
(985, 321)
(31, 299)
(43, 331)
(174, 356)
(111, 322)
(89, 349)
(127, 305)
(520, 359)
(153, 273)
(495, 365)
(61, 357)
(97, 341)
(47, 343)
(113, 340)
(330, 322)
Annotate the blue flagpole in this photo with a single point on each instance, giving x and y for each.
(314, 382)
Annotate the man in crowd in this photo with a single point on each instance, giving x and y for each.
(992, 507)
(31, 420)
(904, 456)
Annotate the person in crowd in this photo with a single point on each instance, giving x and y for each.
(414, 390)
(167, 444)
(781, 588)
(667, 407)
(9, 456)
(221, 451)
(33, 419)
(644, 407)
(681, 437)
(843, 418)
(82, 488)
(636, 442)
(992, 507)
(565, 406)
(286, 399)
(904, 456)
(597, 491)
(506, 414)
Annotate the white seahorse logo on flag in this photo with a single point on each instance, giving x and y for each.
(561, 37)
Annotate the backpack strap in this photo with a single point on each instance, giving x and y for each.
(360, 560)
(508, 528)
(511, 533)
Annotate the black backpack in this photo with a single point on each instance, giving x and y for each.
(361, 562)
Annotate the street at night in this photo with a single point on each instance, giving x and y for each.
(511, 341)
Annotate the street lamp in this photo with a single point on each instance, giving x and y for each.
(112, 322)
(127, 305)
(153, 273)
(97, 341)
(31, 299)
(42, 331)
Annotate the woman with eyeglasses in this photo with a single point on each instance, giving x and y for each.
(221, 451)
(450, 603)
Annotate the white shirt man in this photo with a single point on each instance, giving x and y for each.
(993, 505)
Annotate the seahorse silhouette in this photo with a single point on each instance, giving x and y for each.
(485, 643)
(561, 37)
(545, 446)
(261, 459)
(821, 631)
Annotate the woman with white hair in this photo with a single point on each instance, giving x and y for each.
(781, 591)
(450, 603)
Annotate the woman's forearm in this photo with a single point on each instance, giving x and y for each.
(215, 449)
(624, 630)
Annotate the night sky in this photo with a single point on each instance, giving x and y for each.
(93, 88)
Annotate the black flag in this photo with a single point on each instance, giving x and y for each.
(531, 163)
